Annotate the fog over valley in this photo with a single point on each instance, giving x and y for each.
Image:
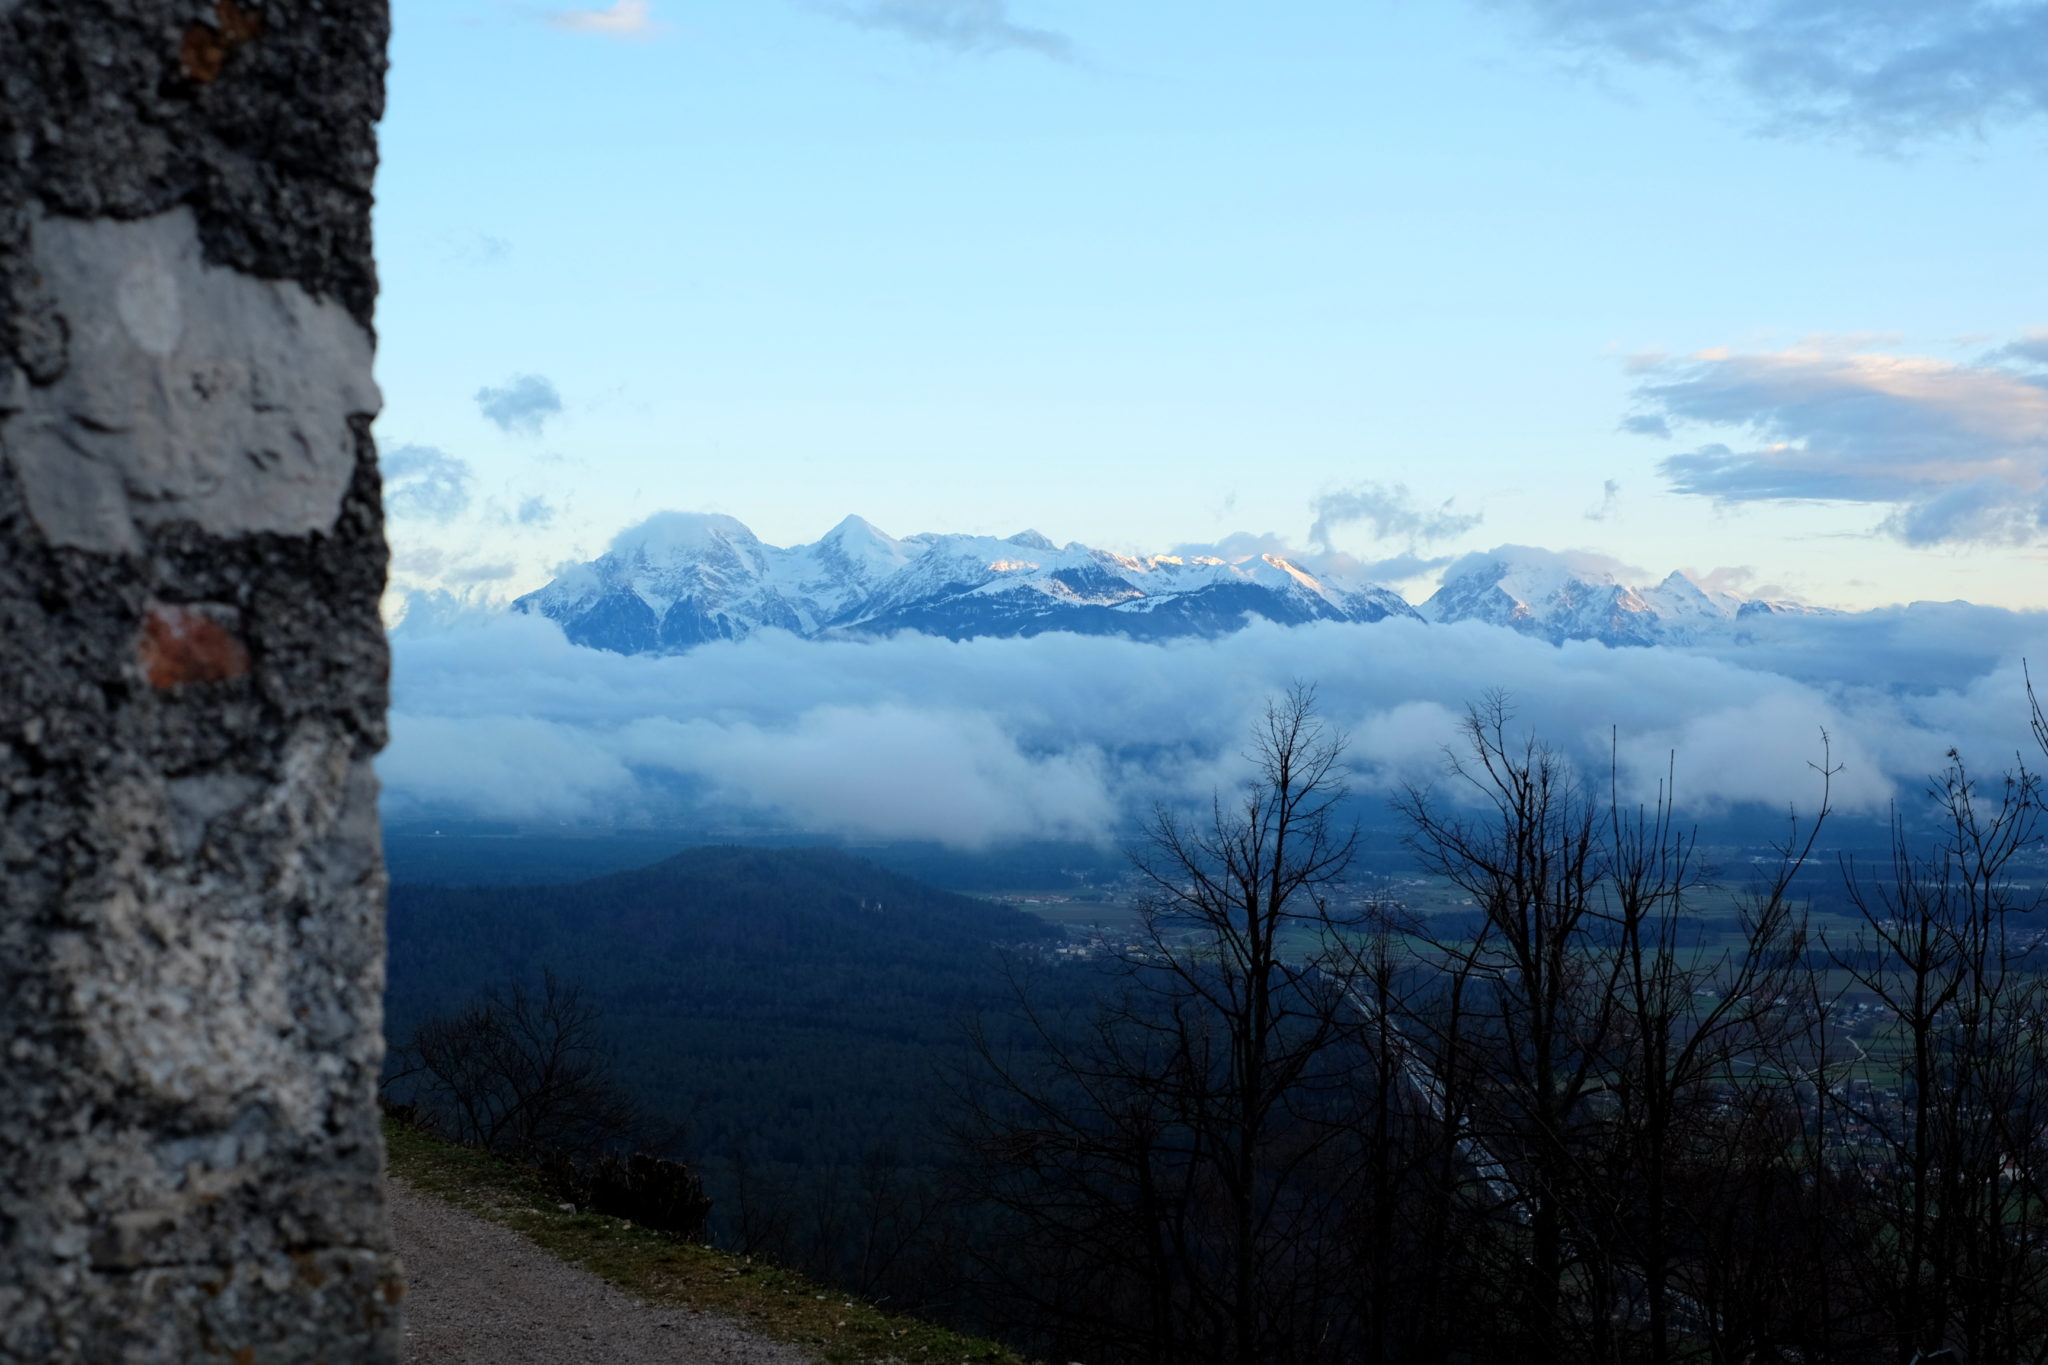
(1060, 735)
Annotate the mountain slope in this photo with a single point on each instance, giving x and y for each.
(800, 907)
(1559, 597)
(681, 579)
(804, 984)
(800, 1011)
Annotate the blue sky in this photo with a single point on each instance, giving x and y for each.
(1742, 284)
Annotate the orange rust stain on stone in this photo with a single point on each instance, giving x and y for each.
(181, 644)
(393, 1291)
(203, 53)
(246, 1356)
(238, 25)
(206, 46)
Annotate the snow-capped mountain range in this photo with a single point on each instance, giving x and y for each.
(681, 579)
(1565, 597)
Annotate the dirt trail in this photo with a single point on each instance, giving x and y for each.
(479, 1294)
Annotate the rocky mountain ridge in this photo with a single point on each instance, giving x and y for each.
(1561, 597)
(679, 580)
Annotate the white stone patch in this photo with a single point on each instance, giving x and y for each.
(183, 981)
(193, 392)
(147, 301)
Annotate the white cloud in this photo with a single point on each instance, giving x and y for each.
(1881, 71)
(1959, 452)
(423, 482)
(621, 19)
(962, 25)
(522, 406)
(887, 770)
(1392, 516)
(1065, 736)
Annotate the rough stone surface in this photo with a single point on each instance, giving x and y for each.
(191, 553)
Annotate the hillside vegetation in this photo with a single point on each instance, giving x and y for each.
(800, 1015)
(775, 1302)
(795, 1004)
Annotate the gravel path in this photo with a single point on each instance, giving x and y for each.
(479, 1294)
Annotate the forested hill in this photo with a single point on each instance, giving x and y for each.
(796, 1008)
(686, 916)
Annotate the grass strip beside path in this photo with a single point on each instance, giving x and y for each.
(777, 1304)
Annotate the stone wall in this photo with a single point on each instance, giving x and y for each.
(192, 684)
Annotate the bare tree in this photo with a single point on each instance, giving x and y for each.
(522, 1072)
(1585, 1124)
(1532, 1009)
(763, 1218)
(1954, 1143)
(1177, 1179)
(1585, 1037)
(1692, 1020)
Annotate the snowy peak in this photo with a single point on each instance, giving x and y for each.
(857, 534)
(847, 564)
(678, 580)
(1563, 597)
(675, 537)
(1682, 600)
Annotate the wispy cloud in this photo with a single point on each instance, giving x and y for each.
(2030, 350)
(485, 571)
(1881, 71)
(522, 406)
(1959, 451)
(423, 482)
(622, 19)
(961, 25)
(1400, 528)
(1396, 567)
(1610, 496)
(1243, 545)
(1391, 514)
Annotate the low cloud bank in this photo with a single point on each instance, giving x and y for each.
(1064, 736)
